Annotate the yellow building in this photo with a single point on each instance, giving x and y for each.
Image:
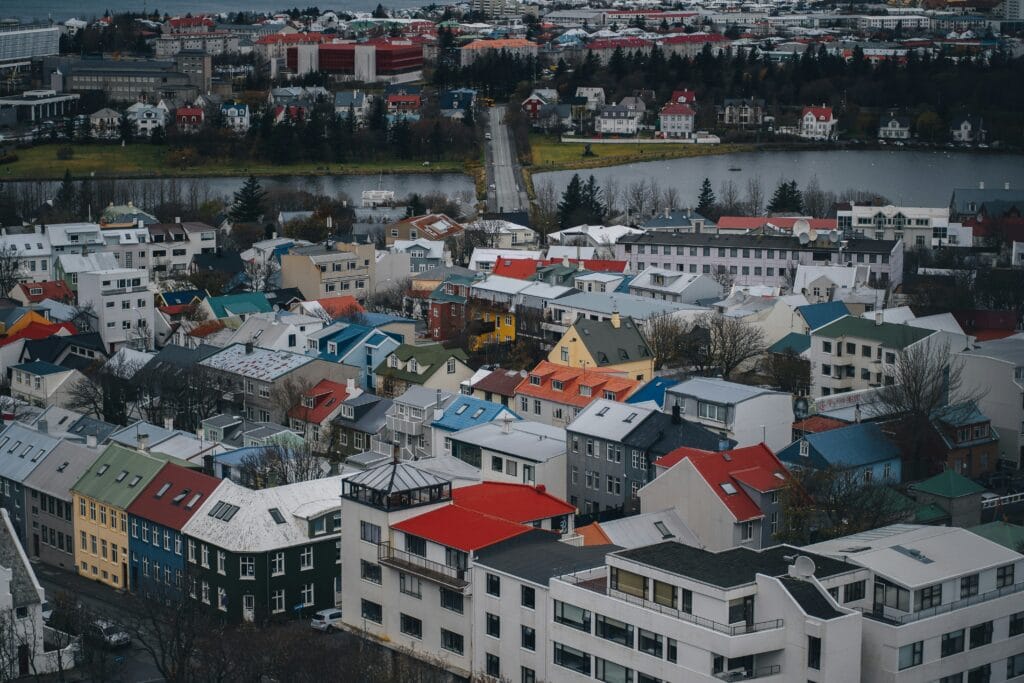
(500, 328)
(616, 345)
(100, 499)
(12, 327)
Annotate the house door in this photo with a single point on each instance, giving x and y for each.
(249, 607)
(23, 659)
(135, 578)
(124, 576)
(35, 544)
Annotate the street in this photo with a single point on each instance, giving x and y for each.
(503, 170)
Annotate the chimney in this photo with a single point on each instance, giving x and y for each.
(668, 212)
(143, 442)
(616, 320)
(42, 426)
(723, 444)
(395, 453)
(878, 317)
(169, 423)
(856, 413)
(90, 440)
(330, 222)
(248, 347)
(981, 185)
(37, 230)
(506, 421)
(177, 219)
(676, 416)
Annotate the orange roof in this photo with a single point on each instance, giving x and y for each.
(599, 382)
(58, 290)
(207, 328)
(593, 534)
(501, 44)
(518, 268)
(338, 306)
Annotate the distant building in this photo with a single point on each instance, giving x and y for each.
(741, 112)
(817, 123)
(893, 126)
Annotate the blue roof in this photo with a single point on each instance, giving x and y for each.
(9, 316)
(795, 342)
(237, 457)
(185, 296)
(652, 391)
(960, 414)
(233, 304)
(847, 447)
(466, 411)
(817, 315)
(376, 338)
(41, 367)
(623, 287)
(346, 339)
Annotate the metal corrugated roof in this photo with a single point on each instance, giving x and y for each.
(394, 477)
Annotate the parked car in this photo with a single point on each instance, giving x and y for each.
(107, 634)
(326, 619)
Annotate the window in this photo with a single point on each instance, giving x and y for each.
(416, 545)
(628, 582)
(222, 600)
(493, 665)
(411, 626)
(1004, 576)
(665, 594)
(649, 643)
(493, 625)
(711, 411)
(408, 584)
(1015, 666)
(371, 611)
(982, 674)
(930, 596)
(614, 630)
(247, 567)
(527, 675)
(221, 560)
(451, 641)
(493, 585)
(981, 634)
(572, 616)
(306, 558)
(369, 571)
(610, 672)
(277, 601)
(277, 564)
(813, 652)
(853, 591)
(968, 586)
(369, 532)
(572, 659)
(910, 655)
(1016, 624)
(952, 642)
(451, 600)
(746, 531)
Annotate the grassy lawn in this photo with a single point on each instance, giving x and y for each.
(143, 160)
(551, 155)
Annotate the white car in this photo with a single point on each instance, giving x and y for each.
(108, 634)
(326, 619)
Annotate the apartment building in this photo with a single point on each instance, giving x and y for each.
(320, 271)
(745, 414)
(410, 542)
(121, 306)
(945, 604)
(851, 353)
(514, 451)
(918, 227)
(757, 259)
(994, 370)
(671, 612)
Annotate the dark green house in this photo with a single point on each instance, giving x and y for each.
(361, 418)
(258, 555)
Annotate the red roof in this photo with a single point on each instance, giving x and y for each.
(176, 309)
(727, 472)
(678, 109)
(818, 423)
(694, 38)
(189, 111)
(404, 101)
(518, 268)
(292, 38)
(38, 331)
(500, 381)
(684, 96)
(58, 290)
(163, 502)
(612, 43)
(338, 306)
(594, 264)
(207, 328)
(512, 502)
(458, 527)
(593, 534)
(572, 379)
(326, 396)
(182, 22)
(820, 113)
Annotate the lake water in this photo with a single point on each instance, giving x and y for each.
(910, 178)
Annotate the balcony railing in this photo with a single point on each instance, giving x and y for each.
(759, 672)
(901, 619)
(403, 426)
(405, 561)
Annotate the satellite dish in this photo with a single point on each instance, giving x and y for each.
(801, 227)
(804, 567)
(833, 236)
(803, 237)
(813, 234)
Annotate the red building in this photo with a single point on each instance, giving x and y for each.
(188, 119)
(391, 57)
(447, 308)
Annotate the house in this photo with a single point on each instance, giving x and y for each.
(40, 383)
(234, 305)
(817, 123)
(537, 99)
(612, 446)
(312, 416)
(28, 293)
(189, 119)
(22, 449)
(925, 571)
(402, 107)
(413, 538)
(236, 116)
(429, 365)
(741, 112)
(279, 330)
(968, 130)
(361, 418)
(917, 226)
(636, 106)
(555, 394)
(101, 498)
(994, 370)
(593, 96)
(669, 285)
(513, 451)
(122, 306)
(258, 555)
(408, 427)
(966, 437)
(105, 124)
(893, 126)
(33, 251)
(322, 271)
(617, 345)
(615, 120)
(504, 234)
(956, 498)
(636, 531)
(497, 386)
(423, 254)
(457, 103)
(155, 521)
(431, 226)
(746, 414)
(555, 117)
(675, 120)
(463, 413)
(146, 118)
(862, 451)
(355, 103)
(728, 498)
(68, 267)
(357, 346)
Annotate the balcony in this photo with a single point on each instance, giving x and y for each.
(896, 618)
(403, 426)
(420, 566)
(749, 674)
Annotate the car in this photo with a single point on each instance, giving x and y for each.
(47, 610)
(326, 619)
(107, 634)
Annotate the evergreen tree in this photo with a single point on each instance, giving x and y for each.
(706, 200)
(248, 204)
(593, 207)
(380, 12)
(416, 206)
(787, 198)
(158, 137)
(66, 201)
(127, 129)
(572, 202)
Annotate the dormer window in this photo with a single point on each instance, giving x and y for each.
(556, 385)
(394, 361)
(347, 412)
(413, 365)
(584, 390)
(535, 380)
(308, 402)
(805, 448)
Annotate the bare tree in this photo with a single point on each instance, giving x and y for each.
(729, 198)
(732, 342)
(545, 207)
(638, 198)
(665, 335)
(391, 298)
(11, 269)
(670, 198)
(612, 193)
(288, 392)
(260, 274)
(87, 396)
(755, 197)
(84, 318)
(817, 202)
(724, 278)
(789, 372)
(275, 465)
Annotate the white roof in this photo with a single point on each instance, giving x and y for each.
(608, 419)
(498, 226)
(916, 556)
(28, 244)
(676, 282)
(252, 529)
(1009, 349)
(265, 329)
(76, 263)
(581, 252)
(434, 248)
(501, 284)
(59, 233)
(639, 307)
(842, 276)
(599, 277)
(524, 439)
(543, 290)
(940, 322)
(899, 314)
(484, 255)
(598, 234)
(761, 290)
(640, 530)
(718, 390)
(263, 365)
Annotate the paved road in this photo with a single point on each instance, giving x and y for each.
(504, 173)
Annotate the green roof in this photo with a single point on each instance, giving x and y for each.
(1003, 533)
(239, 304)
(105, 482)
(948, 484)
(929, 514)
(889, 335)
(433, 356)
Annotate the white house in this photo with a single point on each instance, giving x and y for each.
(676, 120)
(279, 331)
(146, 118)
(748, 415)
(672, 285)
(995, 371)
(121, 306)
(594, 97)
(615, 120)
(236, 116)
(515, 451)
(892, 126)
(818, 123)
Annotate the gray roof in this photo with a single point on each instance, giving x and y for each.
(264, 365)
(368, 420)
(1009, 349)
(396, 476)
(718, 390)
(25, 590)
(422, 397)
(610, 345)
(641, 308)
(609, 420)
(22, 449)
(129, 436)
(636, 531)
(810, 598)
(524, 439)
(61, 469)
(537, 556)
(367, 459)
